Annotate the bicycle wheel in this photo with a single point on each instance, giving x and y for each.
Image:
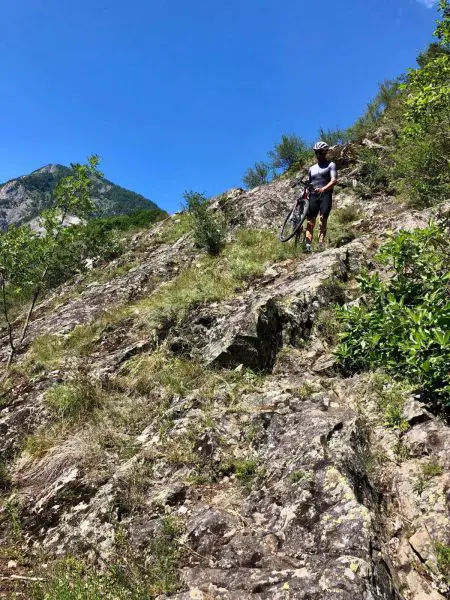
(294, 221)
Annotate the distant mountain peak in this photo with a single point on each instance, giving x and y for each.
(23, 198)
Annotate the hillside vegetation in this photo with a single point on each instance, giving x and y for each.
(192, 409)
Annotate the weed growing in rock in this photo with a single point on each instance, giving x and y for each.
(297, 476)
(77, 400)
(419, 486)
(401, 451)
(328, 326)
(348, 214)
(390, 400)
(432, 469)
(443, 559)
(305, 390)
(129, 576)
(253, 251)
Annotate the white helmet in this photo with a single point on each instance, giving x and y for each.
(320, 146)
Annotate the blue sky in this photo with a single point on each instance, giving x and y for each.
(187, 94)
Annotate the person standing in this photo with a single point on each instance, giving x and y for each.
(323, 176)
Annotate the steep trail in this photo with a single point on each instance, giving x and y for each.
(283, 485)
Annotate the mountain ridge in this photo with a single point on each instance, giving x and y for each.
(24, 197)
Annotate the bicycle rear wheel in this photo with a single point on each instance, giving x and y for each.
(294, 221)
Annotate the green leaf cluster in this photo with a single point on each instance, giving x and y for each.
(209, 227)
(403, 325)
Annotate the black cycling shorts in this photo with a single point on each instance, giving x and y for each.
(320, 203)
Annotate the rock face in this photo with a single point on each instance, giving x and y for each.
(22, 199)
(284, 485)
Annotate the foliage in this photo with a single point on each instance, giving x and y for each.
(290, 151)
(403, 326)
(443, 26)
(384, 99)
(259, 175)
(29, 261)
(374, 173)
(433, 51)
(443, 558)
(76, 400)
(129, 577)
(138, 219)
(421, 165)
(334, 137)
(209, 228)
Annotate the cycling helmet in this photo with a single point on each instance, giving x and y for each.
(320, 146)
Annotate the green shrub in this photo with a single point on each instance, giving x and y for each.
(334, 137)
(403, 325)
(209, 228)
(290, 151)
(259, 175)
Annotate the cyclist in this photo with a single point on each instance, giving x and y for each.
(323, 176)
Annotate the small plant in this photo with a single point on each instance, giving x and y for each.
(419, 485)
(296, 476)
(348, 214)
(443, 559)
(305, 390)
(245, 469)
(209, 228)
(432, 469)
(77, 400)
(14, 523)
(401, 451)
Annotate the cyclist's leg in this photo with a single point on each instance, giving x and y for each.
(325, 209)
(310, 224)
(314, 207)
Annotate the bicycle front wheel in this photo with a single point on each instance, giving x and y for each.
(294, 221)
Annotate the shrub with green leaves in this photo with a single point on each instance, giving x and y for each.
(259, 175)
(209, 227)
(403, 325)
(290, 151)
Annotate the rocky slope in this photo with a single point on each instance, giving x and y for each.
(213, 416)
(22, 199)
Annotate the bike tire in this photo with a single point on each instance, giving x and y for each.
(287, 231)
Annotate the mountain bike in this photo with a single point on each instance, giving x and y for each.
(293, 223)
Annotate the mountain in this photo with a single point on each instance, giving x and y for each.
(177, 425)
(22, 199)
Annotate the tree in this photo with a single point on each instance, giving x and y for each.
(433, 51)
(259, 175)
(28, 260)
(288, 152)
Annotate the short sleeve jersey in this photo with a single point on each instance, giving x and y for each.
(321, 175)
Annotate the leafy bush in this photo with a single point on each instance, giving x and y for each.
(403, 325)
(334, 136)
(209, 228)
(290, 151)
(259, 175)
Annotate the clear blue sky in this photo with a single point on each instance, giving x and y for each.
(187, 94)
